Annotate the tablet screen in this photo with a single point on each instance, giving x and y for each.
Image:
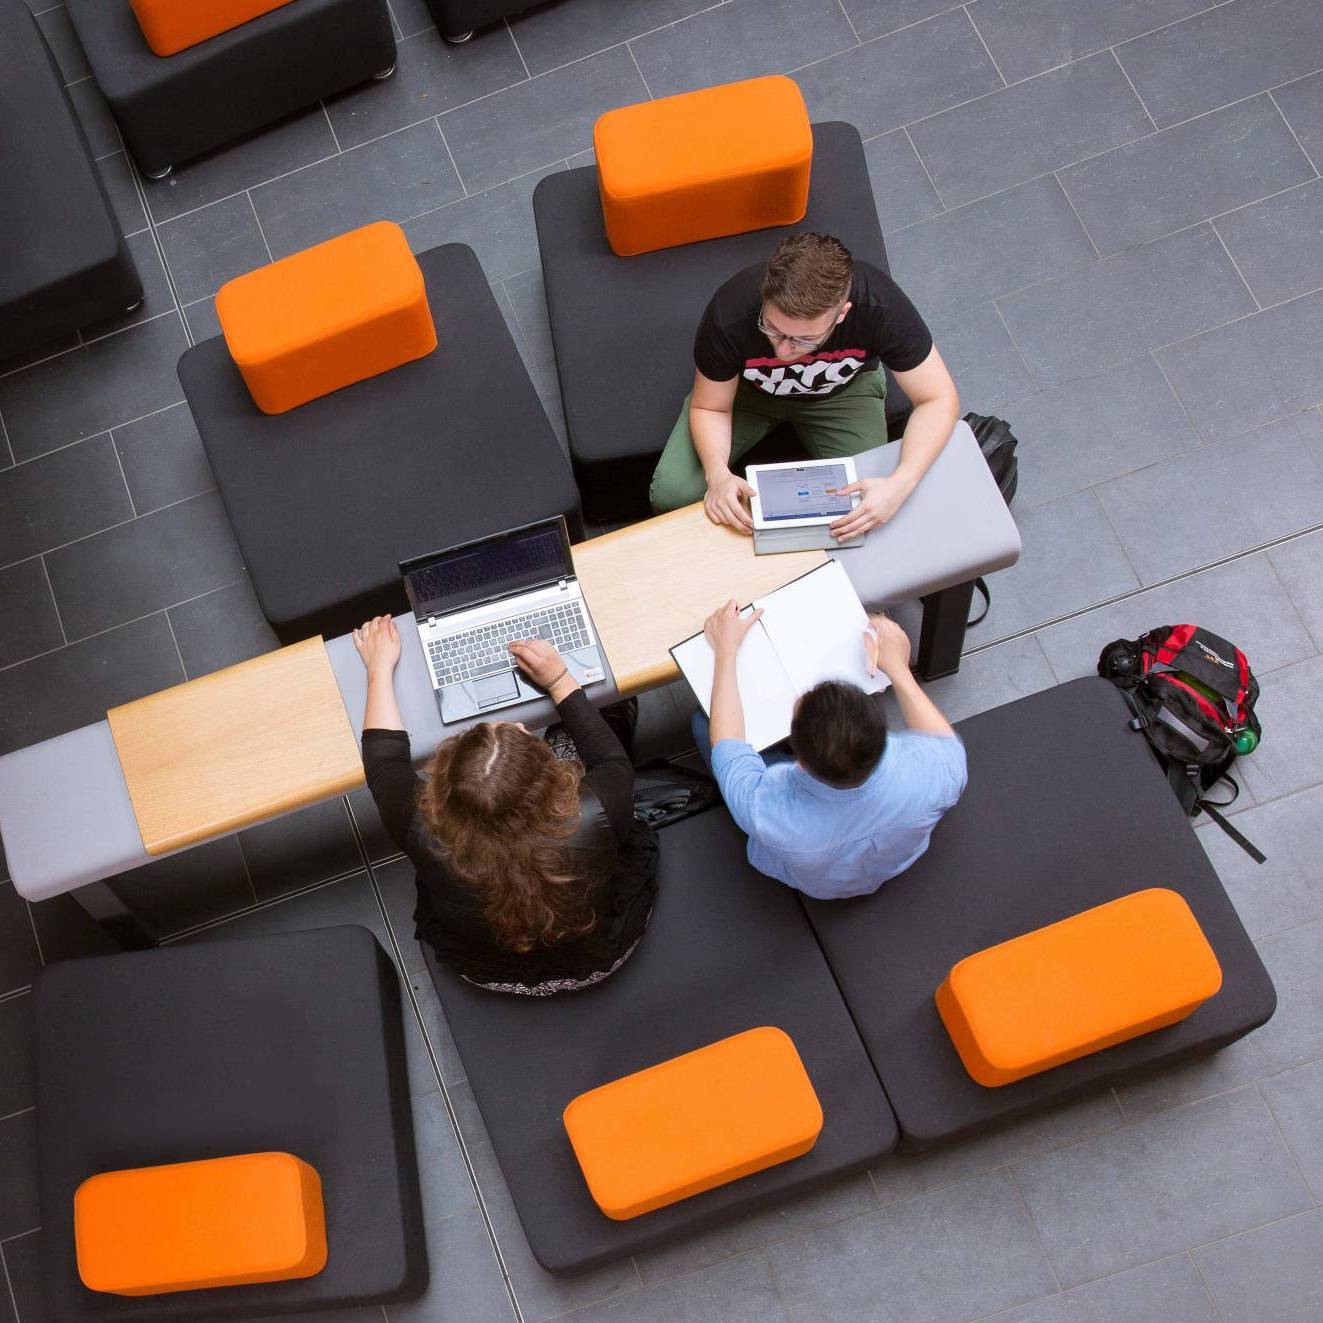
(807, 491)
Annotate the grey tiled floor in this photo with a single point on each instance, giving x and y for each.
(1111, 212)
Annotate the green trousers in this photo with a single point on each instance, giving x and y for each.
(851, 420)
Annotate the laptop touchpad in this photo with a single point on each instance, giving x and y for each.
(495, 689)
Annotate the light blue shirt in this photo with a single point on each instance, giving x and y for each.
(832, 843)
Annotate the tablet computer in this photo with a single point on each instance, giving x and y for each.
(801, 494)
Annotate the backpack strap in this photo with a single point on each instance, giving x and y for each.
(1245, 844)
(981, 587)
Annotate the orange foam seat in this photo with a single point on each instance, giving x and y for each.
(188, 1226)
(1091, 981)
(697, 166)
(315, 321)
(173, 25)
(694, 1122)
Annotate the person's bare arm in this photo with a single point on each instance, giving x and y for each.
(378, 644)
(726, 629)
(710, 411)
(936, 408)
(887, 647)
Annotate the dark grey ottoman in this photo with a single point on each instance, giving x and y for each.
(328, 498)
(63, 260)
(624, 327)
(290, 1043)
(727, 950)
(1066, 809)
(456, 19)
(174, 108)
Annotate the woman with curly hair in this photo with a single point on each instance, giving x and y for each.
(533, 876)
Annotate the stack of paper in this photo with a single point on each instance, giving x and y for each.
(811, 630)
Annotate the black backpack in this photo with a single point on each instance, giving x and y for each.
(997, 442)
(1193, 695)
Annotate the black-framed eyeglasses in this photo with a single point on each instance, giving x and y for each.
(799, 342)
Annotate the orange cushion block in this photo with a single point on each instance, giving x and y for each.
(720, 161)
(191, 1225)
(694, 1122)
(173, 25)
(315, 321)
(1093, 980)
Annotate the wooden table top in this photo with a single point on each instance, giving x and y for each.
(236, 747)
(653, 584)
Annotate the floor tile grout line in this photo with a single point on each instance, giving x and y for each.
(95, 340)
(50, 587)
(1203, 1282)
(1212, 225)
(1290, 597)
(4, 438)
(83, 440)
(1277, 107)
(454, 165)
(1200, 439)
(928, 174)
(638, 70)
(1075, 211)
(1130, 82)
(1015, 344)
(21, 1111)
(845, 13)
(183, 670)
(9, 1284)
(335, 137)
(982, 42)
(270, 256)
(124, 477)
(515, 43)
(443, 1090)
(1277, 1127)
(1033, 1222)
(19, 1235)
(136, 176)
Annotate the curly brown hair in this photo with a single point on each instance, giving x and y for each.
(499, 806)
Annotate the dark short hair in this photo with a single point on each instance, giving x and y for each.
(809, 274)
(838, 733)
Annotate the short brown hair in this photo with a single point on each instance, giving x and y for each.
(499, 807)
(809, 274)
(838, 733)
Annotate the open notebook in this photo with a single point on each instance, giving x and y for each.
(812, 629)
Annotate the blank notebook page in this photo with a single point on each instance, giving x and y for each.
(816, 626)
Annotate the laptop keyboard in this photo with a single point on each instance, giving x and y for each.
(484, 651)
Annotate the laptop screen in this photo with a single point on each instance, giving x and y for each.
(496, 567)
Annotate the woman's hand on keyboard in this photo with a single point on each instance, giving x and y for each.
(540, 661)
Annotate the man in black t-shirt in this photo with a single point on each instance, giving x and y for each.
(803, 341)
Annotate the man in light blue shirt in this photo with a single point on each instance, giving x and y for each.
(858, 803)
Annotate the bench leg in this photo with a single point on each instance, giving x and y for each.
(115, 917)
(942, 634)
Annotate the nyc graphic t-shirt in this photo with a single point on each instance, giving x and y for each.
(881, 326)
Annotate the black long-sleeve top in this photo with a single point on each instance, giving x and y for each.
(608, 846)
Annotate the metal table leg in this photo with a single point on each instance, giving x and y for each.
(942, 634)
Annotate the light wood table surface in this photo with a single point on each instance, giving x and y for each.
(236, 747)
(653, 584)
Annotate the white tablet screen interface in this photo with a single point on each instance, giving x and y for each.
(808, 491)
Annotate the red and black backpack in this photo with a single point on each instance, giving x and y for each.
(1192, 694)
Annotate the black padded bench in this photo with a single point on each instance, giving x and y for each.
(63, 260)
(727, 950)
(290, 1043)
(1066, 809)
(624, 327)
(326, 499)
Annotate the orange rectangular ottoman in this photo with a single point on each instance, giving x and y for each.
(1088, 982)
(313, 322)
(694, 1122)
(720, 161)
(188, 1226)
(171, 26)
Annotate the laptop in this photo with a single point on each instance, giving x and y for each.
(472, 600)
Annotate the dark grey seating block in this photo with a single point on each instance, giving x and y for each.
(1066, 809)
(292, 1043)
(63, 260)
(173, 108)
(456, 17)
(326, 499)
(624, 326)
(727, 950)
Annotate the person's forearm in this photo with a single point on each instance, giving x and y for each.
(711, 430)
(382, 712)
(926, 434)
(920, 712)
(727, 722)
